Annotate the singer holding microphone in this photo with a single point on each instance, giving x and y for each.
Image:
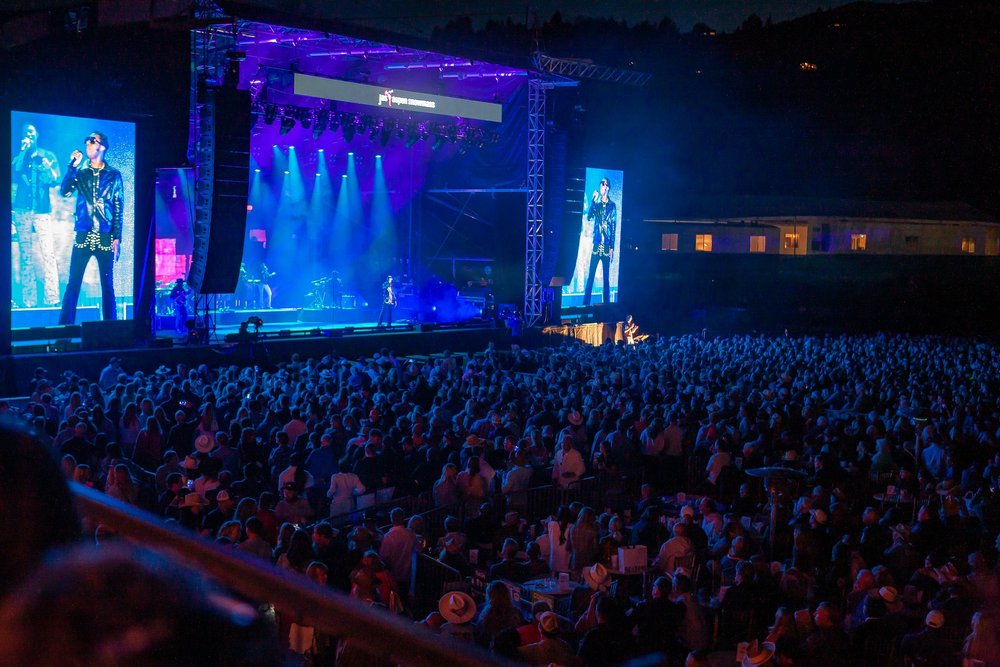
(34, 172)
(100, 207)
(604, 214)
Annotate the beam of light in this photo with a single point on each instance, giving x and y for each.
(340, 249)
(382, 250)
(321, 214)
(289, 232)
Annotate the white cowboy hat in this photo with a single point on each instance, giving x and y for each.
(457, 607)
(596, 576)
(757, 654)
(204, 444)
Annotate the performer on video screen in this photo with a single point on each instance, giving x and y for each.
(34, 171)
(604, 214)
(100, 208)
(388, 301)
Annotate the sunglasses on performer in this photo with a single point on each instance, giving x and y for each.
(93, 140)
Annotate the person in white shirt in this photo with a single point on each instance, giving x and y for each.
(398, 547)
(344, 486)
(678, 546)
(568, 467)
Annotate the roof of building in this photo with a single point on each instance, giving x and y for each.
(750, 207)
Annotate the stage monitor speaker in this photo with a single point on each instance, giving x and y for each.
(108, 334)
(230, 191)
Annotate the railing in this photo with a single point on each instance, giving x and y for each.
(379, 633)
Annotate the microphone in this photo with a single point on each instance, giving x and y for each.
(25, 142)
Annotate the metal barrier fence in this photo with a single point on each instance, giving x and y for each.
(379, 633)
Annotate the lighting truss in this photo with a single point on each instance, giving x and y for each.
(584, 69)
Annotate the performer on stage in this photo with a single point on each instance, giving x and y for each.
(100, 207)
(178, 295)
(335, 289)
(388, 301)
(264, 274)
(34, 171)
(630, 330)
(604, 215)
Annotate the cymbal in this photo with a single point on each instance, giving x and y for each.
(776, 471)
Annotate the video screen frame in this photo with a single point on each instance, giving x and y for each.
(594, 279)
(47, 225)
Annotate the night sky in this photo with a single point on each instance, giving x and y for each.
(412, 17)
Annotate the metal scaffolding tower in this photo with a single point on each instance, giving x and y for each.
(555, 72)
(535, 216)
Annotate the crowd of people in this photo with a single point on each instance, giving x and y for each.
(881, 545)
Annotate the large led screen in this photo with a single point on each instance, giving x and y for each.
(72, 219)
(595, 274)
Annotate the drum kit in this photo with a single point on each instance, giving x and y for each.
(325, 292)
(166, 306)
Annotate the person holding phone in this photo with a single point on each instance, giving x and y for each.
(100, 208)
(604, 214)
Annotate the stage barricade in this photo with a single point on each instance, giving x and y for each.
(431, 580)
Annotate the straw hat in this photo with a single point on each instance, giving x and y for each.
(934, 619)
(596, 576)
(758, 653)
(549, 622)
(457, 607)
(203, 444)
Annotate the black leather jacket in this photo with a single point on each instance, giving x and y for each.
(100, 198)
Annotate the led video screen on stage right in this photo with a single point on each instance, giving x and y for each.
(595, 274)
(72, 201)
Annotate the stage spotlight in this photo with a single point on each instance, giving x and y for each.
(270, 113)
(412, 135)
(287, 123)
(438, 143)
(305, 120)
(320, 125)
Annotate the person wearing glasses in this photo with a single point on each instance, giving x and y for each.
(604, 214)
(35, 171)
(100, 207)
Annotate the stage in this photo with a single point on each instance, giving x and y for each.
(270, 347)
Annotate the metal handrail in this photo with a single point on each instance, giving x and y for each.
(329, 611)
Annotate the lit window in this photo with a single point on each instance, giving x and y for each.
(969, 246)
(758, 243)
(791, 242)
(703, 242)
(808, 67)
(859, 241)
(669, 242)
